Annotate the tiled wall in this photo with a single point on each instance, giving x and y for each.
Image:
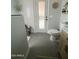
(64, 18)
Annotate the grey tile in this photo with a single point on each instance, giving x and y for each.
(41, 45)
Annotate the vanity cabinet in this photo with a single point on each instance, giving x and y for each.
(19, 44)
(63, 45)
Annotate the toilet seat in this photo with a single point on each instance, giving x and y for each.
(52, 31)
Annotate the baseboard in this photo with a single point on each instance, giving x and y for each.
(46, 57)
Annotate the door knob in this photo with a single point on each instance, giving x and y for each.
(46, 18)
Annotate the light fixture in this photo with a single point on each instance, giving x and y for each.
(55, 4)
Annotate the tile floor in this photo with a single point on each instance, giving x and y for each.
(41, 47)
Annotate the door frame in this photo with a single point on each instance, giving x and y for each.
(36, 16)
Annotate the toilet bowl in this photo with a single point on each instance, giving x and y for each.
(53, 32)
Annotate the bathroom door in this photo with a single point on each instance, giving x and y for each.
(41, 15)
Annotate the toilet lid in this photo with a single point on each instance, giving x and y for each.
(53, 31)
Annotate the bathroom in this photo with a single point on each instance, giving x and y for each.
(47, 29)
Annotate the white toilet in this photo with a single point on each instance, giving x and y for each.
(51, 32)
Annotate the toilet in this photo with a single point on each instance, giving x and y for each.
(53, 33)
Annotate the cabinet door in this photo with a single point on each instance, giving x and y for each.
(19, 43)
(62, 45)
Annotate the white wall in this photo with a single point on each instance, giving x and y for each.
(30, 14)
(54, 16)
(27, 11)
(36, 15)
(13, 3)
(64, 17)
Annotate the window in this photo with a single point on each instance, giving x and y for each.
(41, 14)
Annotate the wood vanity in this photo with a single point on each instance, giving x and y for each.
(63, 45)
